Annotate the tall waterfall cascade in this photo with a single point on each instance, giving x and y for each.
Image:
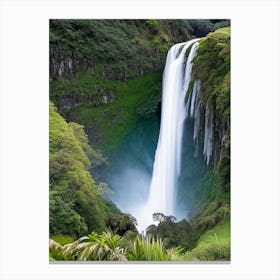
(166, 169)
(167, 164)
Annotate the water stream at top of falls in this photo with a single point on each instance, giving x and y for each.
(166, 168)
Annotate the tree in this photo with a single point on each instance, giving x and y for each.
(121, 223)
(160, 217)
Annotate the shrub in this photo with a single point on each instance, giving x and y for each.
(152, 25)
(121, 223)
(210, 252)
(173, 233)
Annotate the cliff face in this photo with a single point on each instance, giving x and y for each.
(62, 64)
(122, 48)
(109, 65)
(208, 185)
(212, 69)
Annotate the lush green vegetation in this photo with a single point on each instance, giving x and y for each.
(115, 120)
(92, 247)
(120, 61)
(74, 199)
(114, 86)
(202, 27)
(175, 234)
(214, 57)
(207, 188)
(76, 206)
(116, 68)
(125, 48)
(212, 245)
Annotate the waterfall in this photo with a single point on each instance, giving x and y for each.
(194, 111)
(208, 134)
(166, 168)
(194, 108)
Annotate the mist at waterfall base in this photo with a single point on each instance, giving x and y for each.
(130, 172)
(147, 181)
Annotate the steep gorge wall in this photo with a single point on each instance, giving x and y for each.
(111, 66)
(210, 193)
(212, 69)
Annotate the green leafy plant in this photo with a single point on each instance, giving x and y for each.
(104, 247)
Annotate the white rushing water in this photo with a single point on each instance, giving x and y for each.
(195, 110)
(208, 134)
(166, 168)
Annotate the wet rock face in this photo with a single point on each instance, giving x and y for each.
(64, 64)
(74, 99)
(71, 100)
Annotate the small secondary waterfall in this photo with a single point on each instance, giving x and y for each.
(195, 109)
(166, 169)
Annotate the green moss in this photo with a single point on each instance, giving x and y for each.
(116, 119)
(212, 67)
(148, 107)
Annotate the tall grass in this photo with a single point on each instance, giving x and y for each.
(151, 249)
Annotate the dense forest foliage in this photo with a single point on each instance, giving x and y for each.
(76, 203)
(105, 97)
